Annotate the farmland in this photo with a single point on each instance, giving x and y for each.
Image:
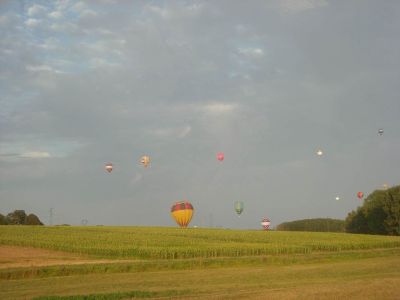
(147, 262)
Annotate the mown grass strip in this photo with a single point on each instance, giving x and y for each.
(119, 295)
(189, 264)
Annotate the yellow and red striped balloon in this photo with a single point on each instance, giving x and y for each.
(182, 213)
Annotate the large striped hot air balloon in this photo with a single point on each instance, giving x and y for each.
(239, 207)
(182, 213)
(109, 167)
(265, 223)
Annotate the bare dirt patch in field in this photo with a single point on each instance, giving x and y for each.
(16, 257)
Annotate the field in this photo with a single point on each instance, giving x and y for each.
(164, 263)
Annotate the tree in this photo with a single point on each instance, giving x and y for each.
(380, 214)
(374, 212)
(321, 225)
(356, 222)
(392, 209)
(32, 219)
(3, 220)
(18, 217)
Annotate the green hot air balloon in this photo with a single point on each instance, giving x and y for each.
(239, 207)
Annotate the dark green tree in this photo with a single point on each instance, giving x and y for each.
(380, 214)
(3, 220)
(391, 207)
(18, 217)
(374, 212)
(321, 224)
(356, 222)
(32, 219)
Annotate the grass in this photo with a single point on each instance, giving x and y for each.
(171, 263)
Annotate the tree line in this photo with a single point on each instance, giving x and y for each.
(319, 224)
(379, 214)
(19, 217)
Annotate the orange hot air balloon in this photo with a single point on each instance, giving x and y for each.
(182, 213)
(220, 156)
(109, 167)
(360, 195)
(145, 160)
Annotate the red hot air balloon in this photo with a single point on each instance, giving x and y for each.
(220, 156)
(360, 195)
(109, 167)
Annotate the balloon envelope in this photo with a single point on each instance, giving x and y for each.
(220, 156)
(265, 223)
(320, 152)
(239, 207)
(109, 167)
(380, 131)
(145, 160)
(360, 195)
(182, 213)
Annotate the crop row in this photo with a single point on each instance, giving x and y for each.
(174, 243)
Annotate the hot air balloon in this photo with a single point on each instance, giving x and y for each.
(380, 131)
(239, 207)
(220, 156)
(145, 160)
(337, 198)
(360, 195)
(265, 223)
(109, 167)
(320, 152)
(182, 213)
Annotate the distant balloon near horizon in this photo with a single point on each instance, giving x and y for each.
(182, 213)
(145, 160)
(360, 195)
(220, 156)
(320, 152)
(337, 198)
(265, 223)
(109, 167)
(239, 206)
(385, 186)
(380, 131)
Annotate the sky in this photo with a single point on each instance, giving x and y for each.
(266, 82)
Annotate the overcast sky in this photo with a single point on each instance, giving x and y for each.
(266, 82)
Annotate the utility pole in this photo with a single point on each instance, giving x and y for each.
(51, 216)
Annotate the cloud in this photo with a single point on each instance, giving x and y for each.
(39, 68)
(219, 108)
(36, 154)
(55, 14)
(297, 6)
(172, 132)
(36, 9)
(136, 178)
(251, 52)
(32, 22)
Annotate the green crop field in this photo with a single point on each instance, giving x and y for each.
(155, 262)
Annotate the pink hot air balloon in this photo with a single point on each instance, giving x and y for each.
(265, 223)
(220, 156)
